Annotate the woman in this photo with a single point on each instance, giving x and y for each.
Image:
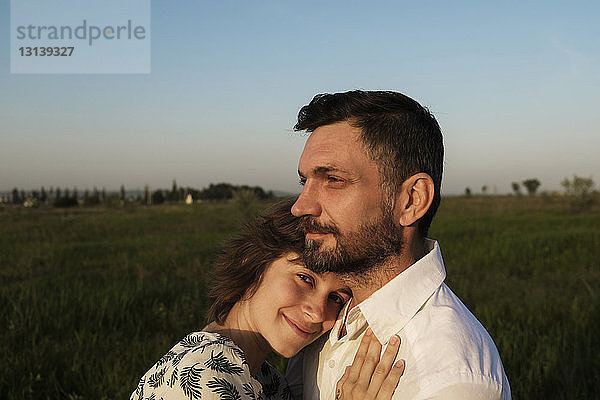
(263, 300)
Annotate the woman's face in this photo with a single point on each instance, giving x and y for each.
(293, 306)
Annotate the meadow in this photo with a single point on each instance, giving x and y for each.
(91, 297)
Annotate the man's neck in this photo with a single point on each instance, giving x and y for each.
(367, 283)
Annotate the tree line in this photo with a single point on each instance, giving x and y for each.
(58, 197)
(577, 186)
(578, 192)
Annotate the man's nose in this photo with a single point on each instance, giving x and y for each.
(307, 203)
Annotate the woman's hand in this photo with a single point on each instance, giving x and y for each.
(369, 377)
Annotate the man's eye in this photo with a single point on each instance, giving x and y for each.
(306, 278)
(334, 179)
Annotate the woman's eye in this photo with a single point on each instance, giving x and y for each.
(336, 298)
(302, 181)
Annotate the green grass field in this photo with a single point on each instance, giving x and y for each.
(91, 298)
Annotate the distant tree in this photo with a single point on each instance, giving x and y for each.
(531, 185)
(43, 195)
(75, 194)
(122, 197)
(94, 198)
(147, 195)
(23, 196)
(16, 199)
(516, 188)
(580, 192)
(158, 197)
(66, 200)
(219, 191)
(103, 195)
(468, 191)
(484, 189)
(258, 191)
(224, 191)
(578, 186)
(58, 194)
(174, 194)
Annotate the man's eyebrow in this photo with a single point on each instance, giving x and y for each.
(323, 169)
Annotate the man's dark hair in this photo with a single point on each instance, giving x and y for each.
(242, 261)
(398, 134)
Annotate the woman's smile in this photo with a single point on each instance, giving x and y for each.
(301, 329)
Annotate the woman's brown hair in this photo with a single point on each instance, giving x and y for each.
(242, 261)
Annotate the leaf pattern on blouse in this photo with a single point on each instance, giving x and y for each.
(225, 389)
(190, 381)
(167, 357)
(249, 391)
(220, 363)
(157, 378)
(192, 340)
(207, 365)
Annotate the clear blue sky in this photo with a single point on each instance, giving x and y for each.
(514, 85)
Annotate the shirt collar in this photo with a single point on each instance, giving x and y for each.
(354, 321)
(390, 308)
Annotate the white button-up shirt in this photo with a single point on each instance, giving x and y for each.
(449, 354)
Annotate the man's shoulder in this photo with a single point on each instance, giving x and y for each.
(449, 346)
(445, 318)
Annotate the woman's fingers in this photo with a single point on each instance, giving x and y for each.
(340, 384)
(370, 377)
(384, 368)
(391, 381)
(359, 358)
(370, 364)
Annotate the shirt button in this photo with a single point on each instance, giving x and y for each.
(331, 363)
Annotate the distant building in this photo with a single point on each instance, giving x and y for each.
(31, 202)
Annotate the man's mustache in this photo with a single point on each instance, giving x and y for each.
(309, 224)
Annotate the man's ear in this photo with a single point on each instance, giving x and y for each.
(414, 199)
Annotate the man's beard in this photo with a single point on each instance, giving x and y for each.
(354, 252)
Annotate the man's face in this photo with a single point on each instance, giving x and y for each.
(348, 217)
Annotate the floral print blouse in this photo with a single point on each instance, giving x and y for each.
(207, 365)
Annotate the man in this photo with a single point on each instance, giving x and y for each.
(371, 172)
